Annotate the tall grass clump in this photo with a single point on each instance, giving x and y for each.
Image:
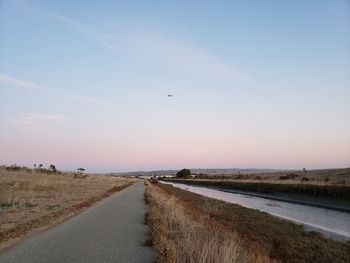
(181, 236)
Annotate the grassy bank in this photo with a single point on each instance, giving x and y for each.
(179, 235)
(33, 199)
(339, 176)
(259, 233)
(329, 191)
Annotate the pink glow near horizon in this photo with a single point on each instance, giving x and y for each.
(147, 154)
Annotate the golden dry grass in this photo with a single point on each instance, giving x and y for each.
(179, 236)
(30, 199)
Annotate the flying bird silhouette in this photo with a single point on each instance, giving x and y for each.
(170, 95)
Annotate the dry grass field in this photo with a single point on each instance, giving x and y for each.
(187, 227)
(34, 199)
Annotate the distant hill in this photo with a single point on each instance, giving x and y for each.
(197, 171)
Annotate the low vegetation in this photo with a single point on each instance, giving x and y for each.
(263, 237)
(339, 176)
(35, 198)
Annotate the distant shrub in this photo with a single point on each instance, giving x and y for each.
(153, 181)
(288, 177)
(305, 179)
(241, 176)
(52, 168)
(183, 173)
(202, 176)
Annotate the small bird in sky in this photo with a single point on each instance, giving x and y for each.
(170, 95)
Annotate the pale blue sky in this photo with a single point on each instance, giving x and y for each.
(254, 83)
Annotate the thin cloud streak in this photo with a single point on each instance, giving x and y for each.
(188, 56)
(27, 120)
(174, 51)
(89, 31)
(11, 81)
(22, 83)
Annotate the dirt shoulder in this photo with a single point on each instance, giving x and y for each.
(31, 201)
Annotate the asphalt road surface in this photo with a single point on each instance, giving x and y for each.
(111, 231)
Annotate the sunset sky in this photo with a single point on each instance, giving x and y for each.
(263, 84)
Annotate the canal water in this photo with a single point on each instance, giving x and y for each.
(331, 223)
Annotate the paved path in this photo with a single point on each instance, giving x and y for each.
(111, 231)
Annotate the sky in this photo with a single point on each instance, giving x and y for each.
(263, 84)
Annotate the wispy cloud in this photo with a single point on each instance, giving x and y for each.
(188, 56)
(11, 81)
(22, 83)
(174, 51)
(107, 40)
(27, 120)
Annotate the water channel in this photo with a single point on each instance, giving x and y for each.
(329, 222)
